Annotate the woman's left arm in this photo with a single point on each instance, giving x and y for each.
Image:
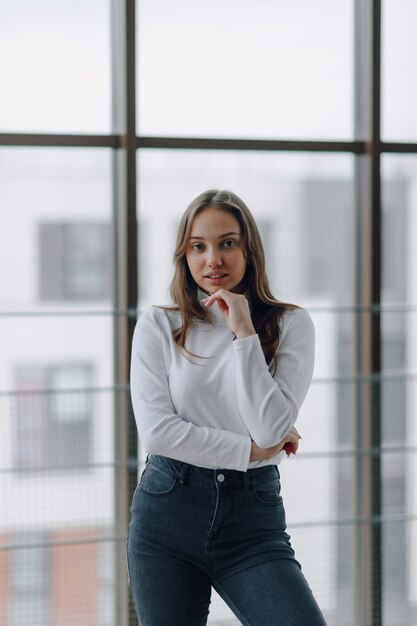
(269, 404)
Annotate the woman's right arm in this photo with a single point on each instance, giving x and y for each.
(161, 430)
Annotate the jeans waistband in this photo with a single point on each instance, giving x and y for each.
(186, 472)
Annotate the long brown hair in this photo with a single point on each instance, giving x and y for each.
(266, 311)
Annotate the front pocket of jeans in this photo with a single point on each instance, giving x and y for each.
(268, 493)
(156, 483)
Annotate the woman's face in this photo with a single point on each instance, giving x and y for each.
(215, 253)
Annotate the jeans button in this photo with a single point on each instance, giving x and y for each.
(220, 478)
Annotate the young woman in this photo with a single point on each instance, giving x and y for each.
(217, 380)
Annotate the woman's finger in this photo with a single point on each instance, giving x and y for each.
(295, 431)
(221, 294)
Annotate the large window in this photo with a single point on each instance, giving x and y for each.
(113, 117)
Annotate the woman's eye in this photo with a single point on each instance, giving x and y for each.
(197, 246)
(229, 243)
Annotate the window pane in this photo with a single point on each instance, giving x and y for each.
(55, 228)
(263, 69)
(55, 66)
(53, 373)
(302, 203)
(399, 70)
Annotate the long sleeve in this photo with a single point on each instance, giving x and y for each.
(161, 430)
(269, 405)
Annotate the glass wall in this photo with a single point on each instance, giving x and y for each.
(279, 78)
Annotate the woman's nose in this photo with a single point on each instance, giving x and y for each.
(215, 258)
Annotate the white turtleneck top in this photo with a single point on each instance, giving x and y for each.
(205, 410)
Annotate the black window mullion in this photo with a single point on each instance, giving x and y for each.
(367, 419)
(125, 284)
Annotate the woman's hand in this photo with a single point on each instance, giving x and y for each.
(236, 309)
(289, 443)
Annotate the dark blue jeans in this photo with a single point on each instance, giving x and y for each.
(193, 529)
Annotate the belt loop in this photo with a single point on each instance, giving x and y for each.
(246, 480)
(183, 473)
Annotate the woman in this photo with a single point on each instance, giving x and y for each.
(217, 380)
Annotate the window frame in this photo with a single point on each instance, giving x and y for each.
(367, 148)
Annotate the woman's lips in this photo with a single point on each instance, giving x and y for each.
(216, 278)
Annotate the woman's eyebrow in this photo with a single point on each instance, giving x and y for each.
(221, 236)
